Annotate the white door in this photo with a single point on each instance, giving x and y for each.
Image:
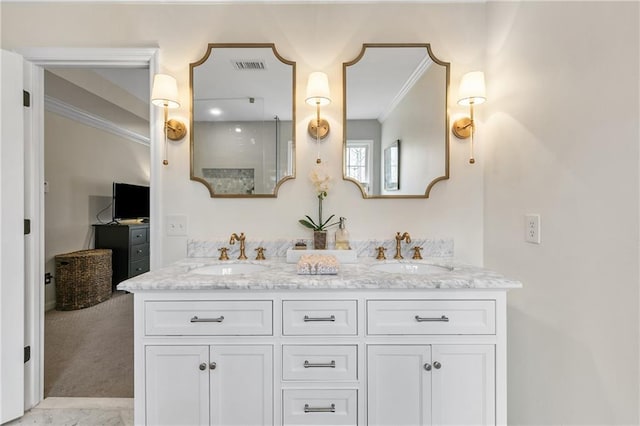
(241, 385)
(11, 237)
(399, 385)
(463, 383)
(177, 385)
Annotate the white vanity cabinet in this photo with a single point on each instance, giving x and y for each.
(424, 384)
(209, 385)
(320, 357)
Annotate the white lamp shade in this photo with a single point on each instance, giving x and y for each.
(165, 91)
(472, 89)
(318, 89)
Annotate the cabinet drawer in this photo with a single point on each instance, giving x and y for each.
(215, 318)
(320, 407)
(319, 317)
(138, 236)
(139, 251)
(316, 362)
(138, 267)
(431, 317)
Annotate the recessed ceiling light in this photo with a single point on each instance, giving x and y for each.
(215, 111)
(238, 130)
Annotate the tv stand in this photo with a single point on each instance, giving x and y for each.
(130, 247)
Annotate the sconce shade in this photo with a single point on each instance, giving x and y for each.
(472, 89)
(165, 91)
(318, 89)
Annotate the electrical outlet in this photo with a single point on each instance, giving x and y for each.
(176, 226)
(532, 228)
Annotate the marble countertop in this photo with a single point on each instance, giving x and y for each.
(280, 275)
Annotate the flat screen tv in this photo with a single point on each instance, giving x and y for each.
(130, 201)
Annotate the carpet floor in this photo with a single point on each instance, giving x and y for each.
(89, 352)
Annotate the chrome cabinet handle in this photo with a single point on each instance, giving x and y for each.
(423, 319)
(307, 364)
(203, 366)
(331, 409)
(437, 365)
(427, 366)
(307, 318)
(196, 319)
(213, 365)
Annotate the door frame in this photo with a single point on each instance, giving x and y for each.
(37, 59)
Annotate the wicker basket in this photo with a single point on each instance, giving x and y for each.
(83, 278)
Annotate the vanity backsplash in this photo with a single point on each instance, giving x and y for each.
(278, 248)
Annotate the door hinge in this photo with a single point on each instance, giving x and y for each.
(27, 353)
(26, 98)
(27, 226)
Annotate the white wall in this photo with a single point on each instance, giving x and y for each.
(561, 135)
(81, 163)
(319, 38)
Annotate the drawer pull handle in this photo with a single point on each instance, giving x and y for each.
(139, 251)
(307, 364)
(307, 318)
(196, 319)
(331, 409)
(423, 319)
(139, 236)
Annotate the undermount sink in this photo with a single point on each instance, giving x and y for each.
(410, 268)
(230, 269)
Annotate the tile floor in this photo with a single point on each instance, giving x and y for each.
(79, 412)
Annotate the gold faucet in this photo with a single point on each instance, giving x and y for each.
(416, 252)
(381, 251)
(223, 253)
(399, 238)
(260, 255)
(241, 238)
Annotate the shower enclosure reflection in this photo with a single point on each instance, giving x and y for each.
(242, 138)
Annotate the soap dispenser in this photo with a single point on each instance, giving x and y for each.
(342, 236)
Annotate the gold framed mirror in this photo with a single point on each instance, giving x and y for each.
(395, 94)
(242, 120)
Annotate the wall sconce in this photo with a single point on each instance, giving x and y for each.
(318, 94)
(165, 94)
(472, 92)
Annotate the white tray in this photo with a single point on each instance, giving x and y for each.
(343, 256)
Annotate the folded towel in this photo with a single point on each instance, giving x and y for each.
(317, 264)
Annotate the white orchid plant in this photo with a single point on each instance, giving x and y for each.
(321, 180)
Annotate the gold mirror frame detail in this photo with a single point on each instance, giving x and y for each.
(206, 56)
(446, 129)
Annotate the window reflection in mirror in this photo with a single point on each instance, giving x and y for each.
(396, 92)
(242, 110)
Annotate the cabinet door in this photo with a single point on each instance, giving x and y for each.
(177, 385)
(399, 386)
(242, 385)
(463, 382)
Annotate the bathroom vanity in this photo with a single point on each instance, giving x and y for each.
(371, 345)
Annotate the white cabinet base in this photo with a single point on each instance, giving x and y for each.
(322, 357)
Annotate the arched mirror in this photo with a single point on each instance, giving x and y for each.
(396, 131)
(242, 115)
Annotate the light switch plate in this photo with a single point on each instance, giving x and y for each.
(176, 226)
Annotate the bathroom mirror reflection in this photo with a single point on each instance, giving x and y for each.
(395, 92)
(242, 110)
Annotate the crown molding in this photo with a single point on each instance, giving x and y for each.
(71, 112)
